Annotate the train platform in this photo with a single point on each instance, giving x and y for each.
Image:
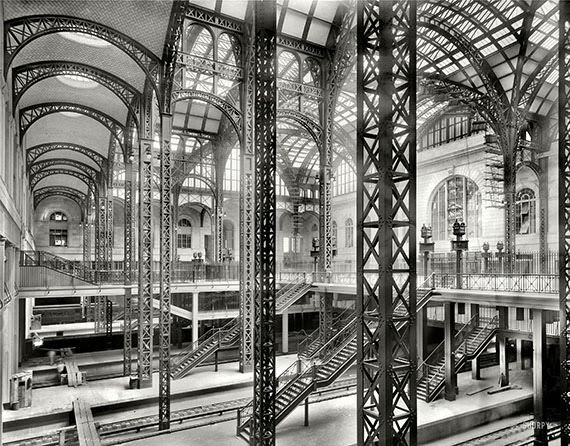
(333, 422)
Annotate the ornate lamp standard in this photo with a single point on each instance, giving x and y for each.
(500, 255)
(426, 247)
(315, 255)
(485, 254)
(459, 246)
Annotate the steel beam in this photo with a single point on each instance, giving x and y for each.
(247, 200)
(564, 212)
(386, 241)
(265, 103)
(165, 273)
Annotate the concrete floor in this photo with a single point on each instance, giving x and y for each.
(332, 422)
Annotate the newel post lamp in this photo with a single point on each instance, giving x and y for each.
(459, 246)
(315, 255)
(500, 255)
(485, 254)
(426, 247)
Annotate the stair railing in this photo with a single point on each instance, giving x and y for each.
(462, 334)
(57, 263)
(209, 336)
(483, 334)
(7, 297)
(338, 322)
(428, 282)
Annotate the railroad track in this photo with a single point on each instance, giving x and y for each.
(519, 434)
(118, 432)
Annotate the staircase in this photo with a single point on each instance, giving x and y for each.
(77, 270)
(305, 376)
(205, 346)
(228, 335)
(291, 293)
(470, 341)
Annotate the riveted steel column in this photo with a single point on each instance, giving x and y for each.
(219, 216)
(564, 213)
(145, 294)
(264, 383)
(128, 271)
(386, 203)
(247, 200)
(165, 272)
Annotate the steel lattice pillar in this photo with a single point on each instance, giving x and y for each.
(247, 201)
(145, 294)
(219, 217)
(100, 236)
(129, 258)
(165, 272)
(564, 213)
(386, 242)
(264, 383)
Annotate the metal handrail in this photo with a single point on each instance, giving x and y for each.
(493, 322)
(338, 322)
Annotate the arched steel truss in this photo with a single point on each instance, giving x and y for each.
(39, 166)
(29, 115)
(33, 153)
(68, 192)
(232, 113)
(23, 30)
(24, 76)
(36, 178)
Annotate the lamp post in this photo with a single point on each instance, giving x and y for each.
(426, 247)
(459, 246)
(500, 255)
(315, 255)
(485, 254)
(228, 256)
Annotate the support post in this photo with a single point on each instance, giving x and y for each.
(306, 411)
(449, 348)
(247, 205)
(502, 342)
(421, 322)
(520, 362)
(3, 366)
(165, 272)
(128, 260)
(325, 315)
(386, 234)
(564, 213)
(285, 332)
(195, 316)
(539, 352)
(264, 383)
(475, 362)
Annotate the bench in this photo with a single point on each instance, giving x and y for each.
(86, 430)
(71, 374)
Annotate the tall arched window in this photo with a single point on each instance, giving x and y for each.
(184, 237)
(457, 198)
(58, 229)
(349, 233)
(526, 212)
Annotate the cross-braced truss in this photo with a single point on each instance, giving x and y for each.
(386, 258)
(247, 202)
(564, 213)
(29, 115)
(35, 152)
(165, 270)
(265, 100)
(38, 166)
(40, 175)
(25, 76)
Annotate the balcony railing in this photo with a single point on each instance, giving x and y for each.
(524, 283)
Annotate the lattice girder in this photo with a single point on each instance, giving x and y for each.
(40, 175)
(25, 76)
(38, 166)
(386, 257)
(35, 152)
(29, 115)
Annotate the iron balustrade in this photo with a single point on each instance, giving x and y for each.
(529, 283)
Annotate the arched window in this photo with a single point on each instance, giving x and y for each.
(349, 233)
(526, 212)
(345, 179)
(58, 216)
(58, 229)
(315, 227)
(228, 235)
(184, 237)
(288, 69)
(334, 233)
(457, 198)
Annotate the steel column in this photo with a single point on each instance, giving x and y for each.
(386, 236)
(264, 383)
(128, 270)
(100, 238)
(145, 294)
(219, 217)
(564, 212)
(247, 200)
(165, 272)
